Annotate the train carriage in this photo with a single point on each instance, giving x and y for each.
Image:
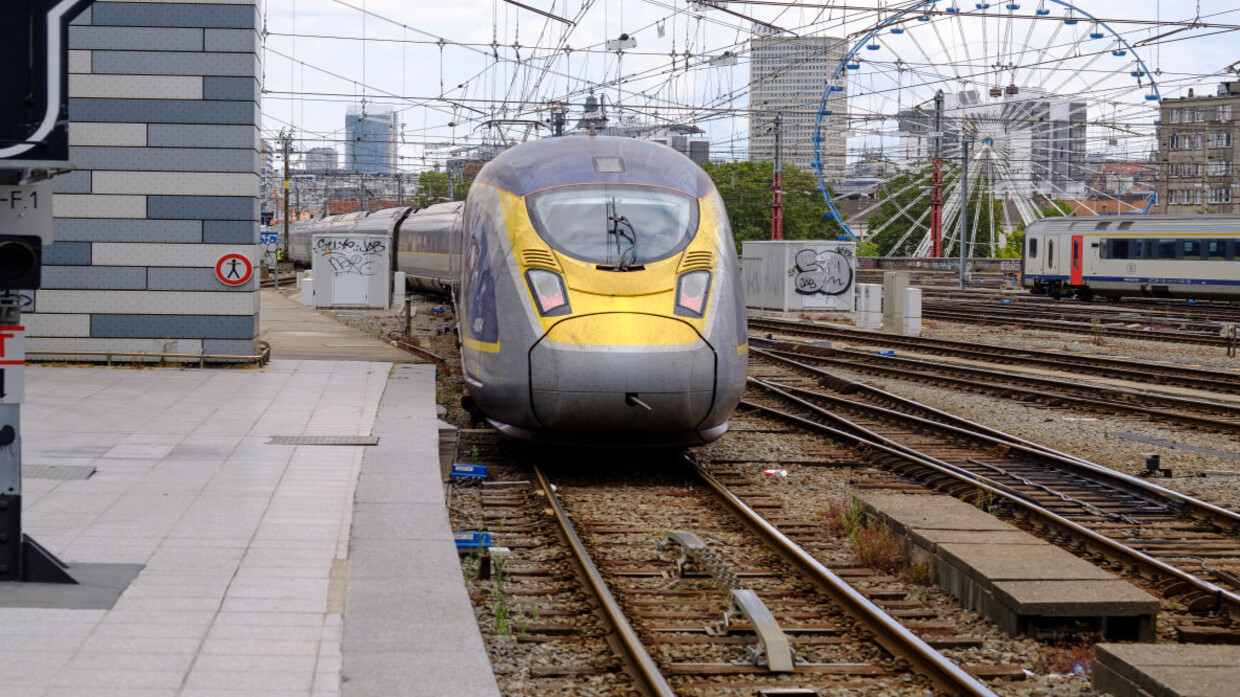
(1134, 255)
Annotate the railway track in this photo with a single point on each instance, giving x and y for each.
(981, 313)
(1195, 413)
(987, 287)
(716, 598)
(1161, 374)
(1184, 548)
(1144, 310)
(666, 581)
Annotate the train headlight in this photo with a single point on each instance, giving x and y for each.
(549, 292)
(692, 292)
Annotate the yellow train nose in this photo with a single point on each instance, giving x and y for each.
(623, 329)
(622, 372)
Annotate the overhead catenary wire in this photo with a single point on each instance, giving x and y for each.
(649, 91)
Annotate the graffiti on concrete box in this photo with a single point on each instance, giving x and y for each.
(352, 255)
(826, 272)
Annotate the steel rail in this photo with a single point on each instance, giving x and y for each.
(965, 486)
(641, 660)
(1143, 401)
(1217, 515)
(845, 385)
(802, 398)
(1221, 517)
(888, 632)
(1200, 311)
(1075, 313)
(1102, 366)
(1077, 327)
(922, 370)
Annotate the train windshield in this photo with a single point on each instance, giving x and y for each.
(614, 225)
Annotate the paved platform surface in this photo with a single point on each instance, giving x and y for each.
(266, 570)
(299, 332)
(1167, 670)
(1016, 580)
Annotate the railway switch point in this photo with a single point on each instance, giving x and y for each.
(1166, 670)
(1021, 583)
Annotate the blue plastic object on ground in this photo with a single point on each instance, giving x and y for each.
(469, 540)
(463, 470)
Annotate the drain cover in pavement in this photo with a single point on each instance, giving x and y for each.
(63, 473)
(323, 440)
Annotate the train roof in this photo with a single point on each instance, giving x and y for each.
(567, 160)
(1218, 223)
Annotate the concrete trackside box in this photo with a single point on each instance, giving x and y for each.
(799, 275)
(350, 269)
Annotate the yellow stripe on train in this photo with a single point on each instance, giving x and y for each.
(623, 329)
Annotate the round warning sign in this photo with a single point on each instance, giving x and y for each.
(233, 269)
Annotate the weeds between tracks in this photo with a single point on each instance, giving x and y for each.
(874, 544)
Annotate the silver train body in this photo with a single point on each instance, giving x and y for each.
(422, 240)
(1135, 256)
(597, 291)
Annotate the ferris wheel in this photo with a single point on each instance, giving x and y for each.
(1028, 109)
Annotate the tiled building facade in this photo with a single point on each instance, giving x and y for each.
(787, 76)
(1199, 150)
(164, 132)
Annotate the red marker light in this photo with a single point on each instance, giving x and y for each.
(548, 290)
(692, 290)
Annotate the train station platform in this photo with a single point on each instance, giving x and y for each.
(1166, 670)
(1020, 582)
(286, 525)
(299, 332)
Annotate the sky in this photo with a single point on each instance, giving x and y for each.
(452, 68)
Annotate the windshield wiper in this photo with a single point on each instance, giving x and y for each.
(615, 221)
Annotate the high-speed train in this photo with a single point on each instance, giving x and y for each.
(597, 291)
(1164, 256)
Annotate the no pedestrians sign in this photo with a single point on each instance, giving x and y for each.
(233, 269)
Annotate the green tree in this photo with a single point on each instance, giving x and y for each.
(893, 237)
(902, 220)
(746, 191)
(985, 221)
(1015, 244)
(433, 187)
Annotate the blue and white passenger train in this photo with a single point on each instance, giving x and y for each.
(1158, 256)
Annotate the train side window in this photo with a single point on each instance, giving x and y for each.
(1050, 254)
(1216, 249)
(1118, 249)
(1166, 249)
(1033, 248)
(1190, 249)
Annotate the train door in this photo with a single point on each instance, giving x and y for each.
(1078, 252)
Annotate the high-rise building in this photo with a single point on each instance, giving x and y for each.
(788, 76)
(370, 141)
(1035, 140)
(321, 160)
(267, 156)
(1198, 149)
